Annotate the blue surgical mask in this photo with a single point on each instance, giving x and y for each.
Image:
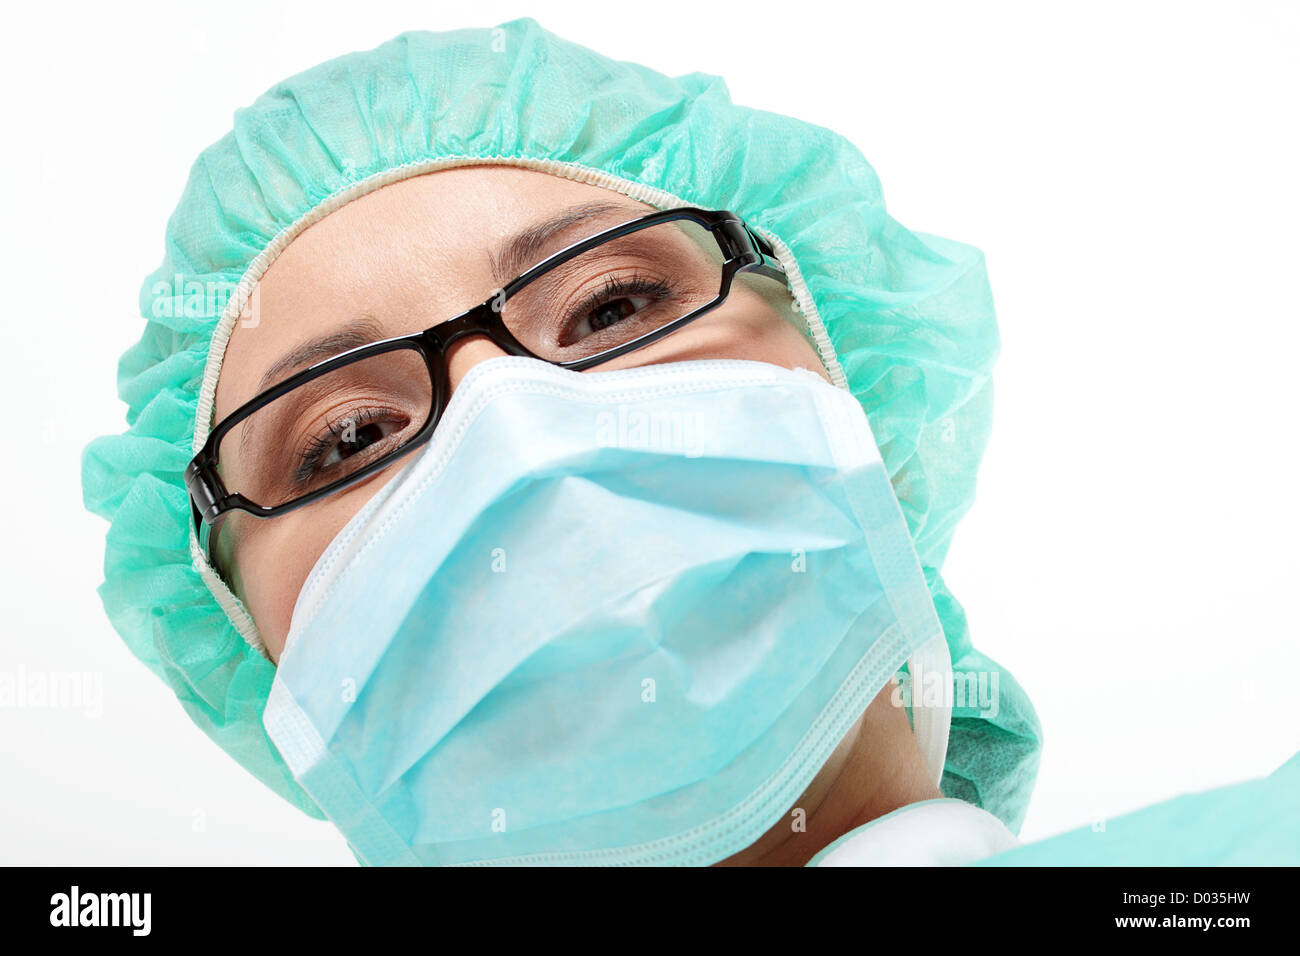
(604, 618)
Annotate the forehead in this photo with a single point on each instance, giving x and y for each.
(401, 258)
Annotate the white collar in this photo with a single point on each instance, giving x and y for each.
(939, 832)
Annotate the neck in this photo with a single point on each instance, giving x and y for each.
(876, 769)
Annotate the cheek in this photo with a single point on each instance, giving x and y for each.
(749, 326)
(274, 560)
(780, 343)
(275, 555)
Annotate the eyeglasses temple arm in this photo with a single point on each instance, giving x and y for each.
(771, 267)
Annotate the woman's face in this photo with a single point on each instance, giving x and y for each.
(399, 260)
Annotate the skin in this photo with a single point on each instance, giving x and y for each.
(416, 252)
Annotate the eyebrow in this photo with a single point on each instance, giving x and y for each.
(363, 331)
(523, 249)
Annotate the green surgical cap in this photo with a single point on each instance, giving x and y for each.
(904, 320)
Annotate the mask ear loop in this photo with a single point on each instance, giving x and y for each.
(931, 723)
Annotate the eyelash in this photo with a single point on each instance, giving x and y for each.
(615, 288)
(319, 445)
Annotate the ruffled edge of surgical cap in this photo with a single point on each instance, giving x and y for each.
(904, 320)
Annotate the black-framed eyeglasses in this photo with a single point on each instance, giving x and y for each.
(340, 420)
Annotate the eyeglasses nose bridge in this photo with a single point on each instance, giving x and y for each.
(484, 319)
(473, 321)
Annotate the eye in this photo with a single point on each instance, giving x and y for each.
(618, 300)
(349, 442)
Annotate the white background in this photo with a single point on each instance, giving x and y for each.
(1129, 169)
